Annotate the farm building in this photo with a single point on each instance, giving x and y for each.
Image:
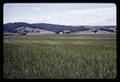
(64, 32)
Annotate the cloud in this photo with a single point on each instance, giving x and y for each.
(36, 9)
(67, 15)
(98, 16)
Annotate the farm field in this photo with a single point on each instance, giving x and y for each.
(82, 56)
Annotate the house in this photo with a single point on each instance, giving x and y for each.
(64, 32)
(60, 32)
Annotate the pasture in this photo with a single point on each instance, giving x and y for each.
(82, 56)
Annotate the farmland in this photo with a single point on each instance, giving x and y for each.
(82, 56)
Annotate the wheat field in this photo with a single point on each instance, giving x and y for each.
(82, 56)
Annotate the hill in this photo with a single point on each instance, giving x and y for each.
(37, 27)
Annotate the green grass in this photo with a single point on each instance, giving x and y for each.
(84, 56)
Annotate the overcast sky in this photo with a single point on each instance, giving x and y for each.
(61, 13)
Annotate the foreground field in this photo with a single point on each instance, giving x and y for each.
(84, 56)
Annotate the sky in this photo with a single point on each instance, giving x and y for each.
(61, 13)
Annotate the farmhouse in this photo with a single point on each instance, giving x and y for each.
(64, 32)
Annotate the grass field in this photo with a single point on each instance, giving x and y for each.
(84, 56)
